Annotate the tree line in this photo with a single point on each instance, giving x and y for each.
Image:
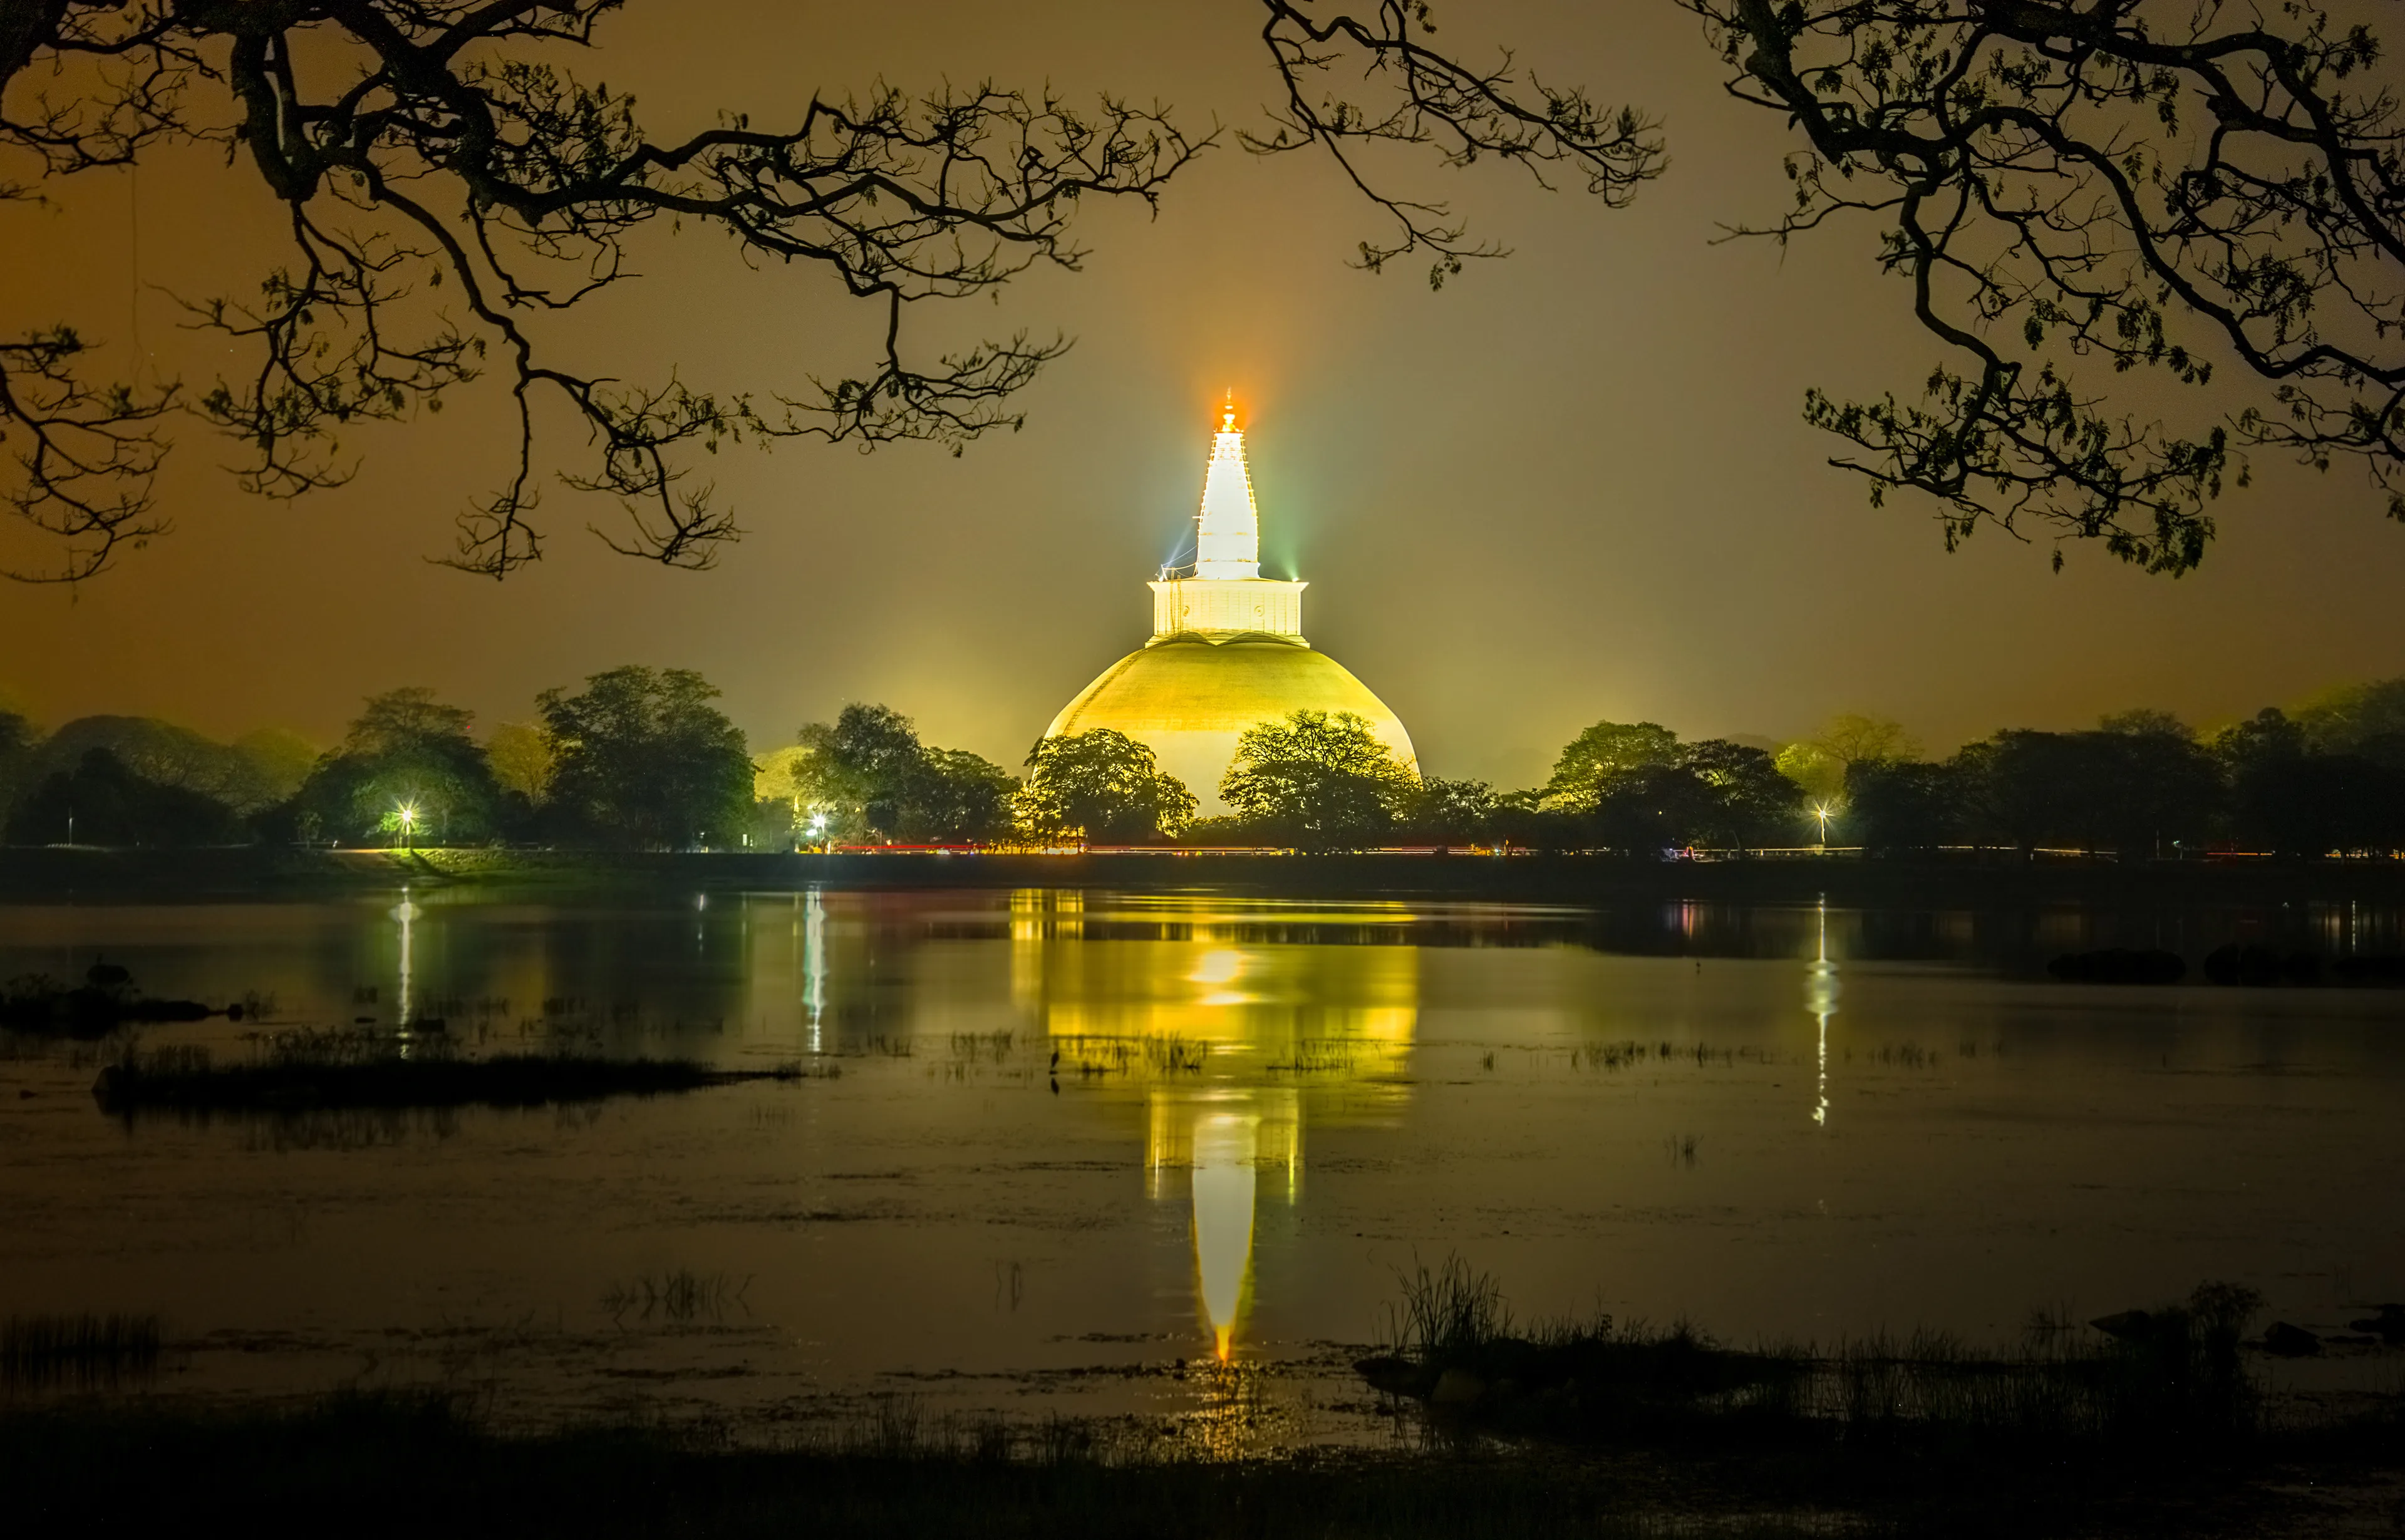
(644, 759)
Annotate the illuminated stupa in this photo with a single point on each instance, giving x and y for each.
(1227, 650)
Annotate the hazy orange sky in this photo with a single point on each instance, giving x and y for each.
(1574, 484)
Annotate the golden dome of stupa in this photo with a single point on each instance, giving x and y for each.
(1227, 650)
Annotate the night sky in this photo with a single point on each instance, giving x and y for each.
(1574, 484)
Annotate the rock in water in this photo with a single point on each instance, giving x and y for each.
(1456, 1388)
(2290, 1341)
(2128, 1326)
(1392, 1375)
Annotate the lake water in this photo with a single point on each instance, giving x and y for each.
(1071, 1152)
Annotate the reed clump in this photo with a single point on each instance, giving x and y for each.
(679, 1297)
(85, 1350)
(2162, 1380)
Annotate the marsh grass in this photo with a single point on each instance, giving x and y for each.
(84, 1351)
(2167, 1380)
(1321, 1056)
(309, 1071)
(1090, 1056)
(1629, 1054)
(680, 1297)
(976, 1047)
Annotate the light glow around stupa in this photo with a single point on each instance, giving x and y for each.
(1227, 650)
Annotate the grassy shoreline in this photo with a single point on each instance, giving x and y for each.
(51, 875)
(419, 1463)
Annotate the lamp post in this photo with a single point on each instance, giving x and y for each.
(1821, 810)
(409, 826)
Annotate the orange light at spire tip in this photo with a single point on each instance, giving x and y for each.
(1227, 415)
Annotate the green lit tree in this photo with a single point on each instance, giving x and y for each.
(407, 756)
(1590, 761)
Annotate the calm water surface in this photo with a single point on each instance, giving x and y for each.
(1069, 1152)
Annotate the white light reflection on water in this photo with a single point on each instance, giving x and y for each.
(814, 966)
(406, 913)
(1821, 998)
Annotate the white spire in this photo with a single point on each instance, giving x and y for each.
(1228, 538)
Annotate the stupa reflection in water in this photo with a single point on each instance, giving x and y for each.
(1236, 1039)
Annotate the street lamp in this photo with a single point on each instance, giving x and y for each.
(409, 825)
(1821, 810)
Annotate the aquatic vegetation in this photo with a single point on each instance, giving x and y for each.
(974, 1046)
(679, 1298)
(83, 1351)
(1317, 1057)
(1090, 1056)
(311, 1071)
(105, 1002)
(2168, 1381)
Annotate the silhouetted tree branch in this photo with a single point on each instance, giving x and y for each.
(1423, 96)
(436, 145)
(2140, 184)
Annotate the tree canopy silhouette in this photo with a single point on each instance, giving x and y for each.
(1101, 786)
(449, 185)
(2071, 189)
(641, 758)
(2080, 187)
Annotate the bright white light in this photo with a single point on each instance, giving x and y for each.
(1228, 538)
(1217, 967)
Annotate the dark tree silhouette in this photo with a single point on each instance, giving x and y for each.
(1318, 780)
(1418, 94)
(447, 186)
(869, 771)
(2071, 188)
(2119, 185)
(1101, 786)
(644, 760)
(106, 803)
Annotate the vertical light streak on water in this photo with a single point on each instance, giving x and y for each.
(1821, 998)
(404, 912)
(814, 961)
(1225, 1176)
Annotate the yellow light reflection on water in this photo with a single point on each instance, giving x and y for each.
(1235, 1032)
